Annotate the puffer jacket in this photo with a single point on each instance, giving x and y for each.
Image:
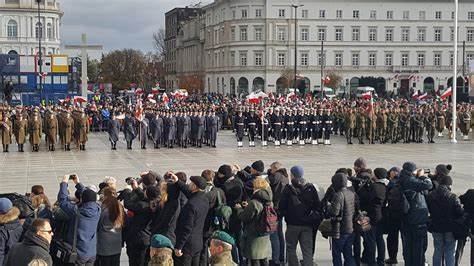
(414, 189)
(344, 204)
(444, 208)
(10, 232)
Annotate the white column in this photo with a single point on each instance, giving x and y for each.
(455, 74)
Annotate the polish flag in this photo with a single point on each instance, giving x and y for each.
(165, 98)
(282, 99)
(327, 79)
(415, 95)
(448, 92)
(80, 99)
(253, 98)
(423, 96)
(367, 95)
(139, 91)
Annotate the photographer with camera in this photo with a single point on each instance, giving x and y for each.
(414, 185)
(86, 212)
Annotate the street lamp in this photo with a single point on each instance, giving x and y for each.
(40, 53)
(455, 70)
(296, 42)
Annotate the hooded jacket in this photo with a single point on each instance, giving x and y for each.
(32, 247)
(444, 208)
(372, 198)
(278, 182)
(298, 202)
(88, 214)
(10, 232)
(413, 188)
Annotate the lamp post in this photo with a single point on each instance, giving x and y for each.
(454, 88)
(296, 43)
(40, 53)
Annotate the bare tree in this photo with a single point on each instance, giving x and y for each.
(159, 41)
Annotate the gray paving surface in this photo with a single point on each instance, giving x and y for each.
(19, 171)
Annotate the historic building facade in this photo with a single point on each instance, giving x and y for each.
(20, 28)
(400, 45)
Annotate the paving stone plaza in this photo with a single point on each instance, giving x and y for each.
(19, 171)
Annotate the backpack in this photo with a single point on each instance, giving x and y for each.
(397, 202)
(268, 221)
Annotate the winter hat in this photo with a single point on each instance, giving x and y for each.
(360, 163)
(258, 166)
(150, 178)
(409, 166)
(443, 169)
(161, 241)
(225, 171)
(380, 173)
(446, 180)
(5, 205)
(199, 181)
(395, 169)
(297, 171)
(339, 181)
(89, 196)
(151, 192)
(224, 237)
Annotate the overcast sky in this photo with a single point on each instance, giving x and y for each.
(115, 24)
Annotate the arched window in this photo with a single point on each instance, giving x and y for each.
(12, 28)
(49, 31)
(39, 30)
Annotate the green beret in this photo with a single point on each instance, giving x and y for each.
(161, 241)
(224, 237)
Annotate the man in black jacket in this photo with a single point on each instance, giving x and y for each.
(300, 205)
(35, 245)
(190, 227)
(278, 179)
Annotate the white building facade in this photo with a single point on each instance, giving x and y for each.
(20, 28)
(391, 45)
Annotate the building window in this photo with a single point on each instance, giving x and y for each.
(355, 14)
(438, 15)
(339, 14)
(389, 34)
(49, 31)
(258, 13)
(390, 14)
(404, 59)
(321, 59)
(243, 33)
(421, 34)
(405, 34)
(321, 34)
(233, 14)
(304, 34)
(451, 59)
(372, 59)
(338, 34)
(437, 34)
(355, 59)
(451, 35)
(281, 33)
(355, 34)
(12, 29)
(281, 59)
(422, 15)
(304, 59)
(281, 13)
(373, 34)
(373, 14)
(437, 59)
(388, 59)
(304, 13)
(39, 30)
(232, 58)
(232, 33)
(258, 33)
(322, 13)
(470, 15)
(421, 59)
(258, 58)
(406, 15)
(243, 58)
(244, 13)
(452, 15)
(338, 59)
(470, 35)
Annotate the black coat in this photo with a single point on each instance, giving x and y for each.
(137, 231)
(278, 182)
(32, 247)
(190, 227)
(164, 219)
(300, 205)
(444, 208)
(372, 199)
(467, 200)
(234, 192)
(211, 194)
(10, 232)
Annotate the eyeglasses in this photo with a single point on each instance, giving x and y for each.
(47, 231)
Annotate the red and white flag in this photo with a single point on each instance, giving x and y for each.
(80, 99)
(139, 91)
(367, 95)
(423, 96)
(415, 95)
(165, 98)
(327, 79)
(448, 92)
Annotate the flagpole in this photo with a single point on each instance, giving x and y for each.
(454, 83)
